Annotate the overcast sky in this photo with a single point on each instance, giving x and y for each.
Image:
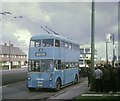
(69, 19)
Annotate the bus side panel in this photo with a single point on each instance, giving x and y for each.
(74, 72)
(59, 74)
(57, 53)
(68, 76)
(67, 54)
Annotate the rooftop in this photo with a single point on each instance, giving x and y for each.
(5, 49)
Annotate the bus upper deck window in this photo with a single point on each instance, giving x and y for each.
(38, 43)
(32, 44)
(47, 43)
(70, 46)
(62, 44)
(57, 43)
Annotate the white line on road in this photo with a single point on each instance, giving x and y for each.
(3, 86)
(12, 84)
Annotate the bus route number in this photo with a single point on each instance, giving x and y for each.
(40, 54)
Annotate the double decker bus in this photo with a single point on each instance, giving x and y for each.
(53, 62)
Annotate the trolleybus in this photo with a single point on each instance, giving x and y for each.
(53, 61)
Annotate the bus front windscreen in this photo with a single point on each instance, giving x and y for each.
(40, 65)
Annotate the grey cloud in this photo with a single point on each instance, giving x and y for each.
(70, 19)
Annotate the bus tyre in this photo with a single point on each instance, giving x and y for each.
(76, 79)
(58, 85)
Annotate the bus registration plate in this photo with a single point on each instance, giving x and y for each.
(40, 85)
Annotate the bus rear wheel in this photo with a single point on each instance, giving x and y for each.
(76, 79)
(58, 85)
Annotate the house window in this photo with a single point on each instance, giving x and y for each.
(81, 50)
(87, 50)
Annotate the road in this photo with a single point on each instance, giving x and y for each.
(74, 91)
(19, 91)
(13, 76)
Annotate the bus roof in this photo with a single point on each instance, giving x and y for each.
(53, 36)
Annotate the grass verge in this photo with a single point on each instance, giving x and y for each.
(96, 97)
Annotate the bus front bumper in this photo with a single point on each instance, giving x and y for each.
(40, 84)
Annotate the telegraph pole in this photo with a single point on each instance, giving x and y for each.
(92, 43)
(9, 56)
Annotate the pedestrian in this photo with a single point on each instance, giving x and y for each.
(106, 79)
(114, 78)
(109, 67)
(88, 75)
(98, 75)
(102, 69)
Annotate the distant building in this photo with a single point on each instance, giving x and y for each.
(85, 55)
(12, 54)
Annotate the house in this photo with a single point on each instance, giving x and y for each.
(85, 55)
(13, 55)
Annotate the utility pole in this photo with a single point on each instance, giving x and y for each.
(92, 44)
(106, 52)
(9, 56)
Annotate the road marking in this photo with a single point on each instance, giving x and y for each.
(59, 93)
(13, 84)
(2, 87)
(100, 95)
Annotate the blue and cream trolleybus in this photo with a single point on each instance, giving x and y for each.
(53, 62)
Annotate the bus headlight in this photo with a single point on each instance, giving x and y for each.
(51, 77)
(29, 78)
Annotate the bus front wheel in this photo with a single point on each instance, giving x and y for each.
(58, 85)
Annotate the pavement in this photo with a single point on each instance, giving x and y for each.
(73, 92)
(13, 69)
(81, 89)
